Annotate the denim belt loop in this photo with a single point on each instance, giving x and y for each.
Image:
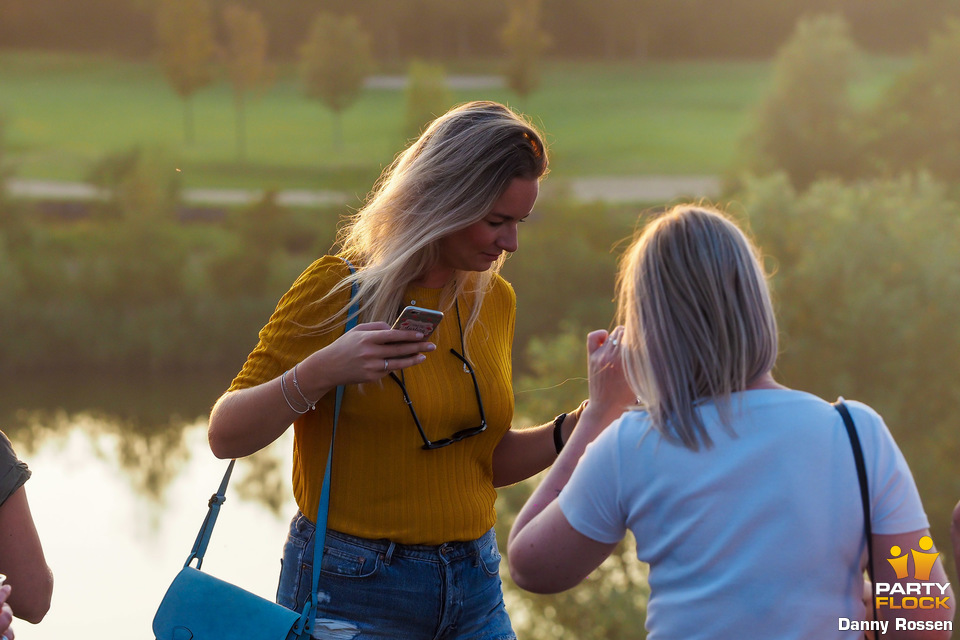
(389, 556)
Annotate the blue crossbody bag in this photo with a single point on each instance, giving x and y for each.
(198, 606)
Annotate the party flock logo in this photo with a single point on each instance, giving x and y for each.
(906, 594)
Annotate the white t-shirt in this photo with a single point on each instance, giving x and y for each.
(760, 536)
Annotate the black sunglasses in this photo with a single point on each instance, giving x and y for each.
(463, 434)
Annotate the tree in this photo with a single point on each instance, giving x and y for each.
(428, 96)
(917, 122)
(525, 41)
(187, 49)
(335, 61)
(805, 125)
(246, 61)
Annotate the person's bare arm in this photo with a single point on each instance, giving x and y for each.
(22, 560)
(545, 553)
(523, 453)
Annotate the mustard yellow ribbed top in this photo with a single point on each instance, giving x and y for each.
(384, 485)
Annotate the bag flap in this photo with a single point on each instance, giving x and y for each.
(198, 606)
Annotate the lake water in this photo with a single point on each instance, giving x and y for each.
(121, 478)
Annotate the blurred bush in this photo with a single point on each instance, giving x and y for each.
(867, 288)
(132, 286)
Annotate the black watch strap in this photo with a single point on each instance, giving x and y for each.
(557, 434)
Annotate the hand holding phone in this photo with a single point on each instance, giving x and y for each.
(419, 319)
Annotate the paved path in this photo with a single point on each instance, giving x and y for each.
(605, 189)
(640, 188)
(397, 83)
(54, 190)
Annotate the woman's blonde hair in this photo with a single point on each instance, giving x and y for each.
(446, 180)
(699, 321)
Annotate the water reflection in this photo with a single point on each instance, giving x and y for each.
(121, 478)
(149, 461)
(136, 424)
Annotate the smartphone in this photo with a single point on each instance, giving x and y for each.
(419, 319)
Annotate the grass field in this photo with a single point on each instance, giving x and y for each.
(63, 114)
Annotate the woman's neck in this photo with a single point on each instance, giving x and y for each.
(764, 381)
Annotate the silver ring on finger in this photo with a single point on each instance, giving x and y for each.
(386, 363)
(614, 342)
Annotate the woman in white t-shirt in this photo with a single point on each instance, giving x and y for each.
(742, 494)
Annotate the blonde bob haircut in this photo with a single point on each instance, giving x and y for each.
(699, 321)
(446, 180)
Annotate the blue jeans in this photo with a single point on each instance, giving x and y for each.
(378, 589)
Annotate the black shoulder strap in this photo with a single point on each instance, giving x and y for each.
(841, 407)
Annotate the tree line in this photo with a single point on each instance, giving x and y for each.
(446, 29)
(335, 58)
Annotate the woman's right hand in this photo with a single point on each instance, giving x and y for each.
(366, 353)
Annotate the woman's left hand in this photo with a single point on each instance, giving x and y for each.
(6, 613)
(610, 394)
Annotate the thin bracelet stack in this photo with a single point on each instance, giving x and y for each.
(283, 389)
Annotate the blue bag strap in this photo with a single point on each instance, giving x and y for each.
(206, 529)
(304, 627)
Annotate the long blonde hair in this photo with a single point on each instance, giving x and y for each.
(699, 320)
(448, 179)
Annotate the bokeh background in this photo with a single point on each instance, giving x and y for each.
(168, 167)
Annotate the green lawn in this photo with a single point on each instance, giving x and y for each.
(65, 113)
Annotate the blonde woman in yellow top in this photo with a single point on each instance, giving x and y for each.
(424, 435)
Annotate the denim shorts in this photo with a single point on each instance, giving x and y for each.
(379, 589)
